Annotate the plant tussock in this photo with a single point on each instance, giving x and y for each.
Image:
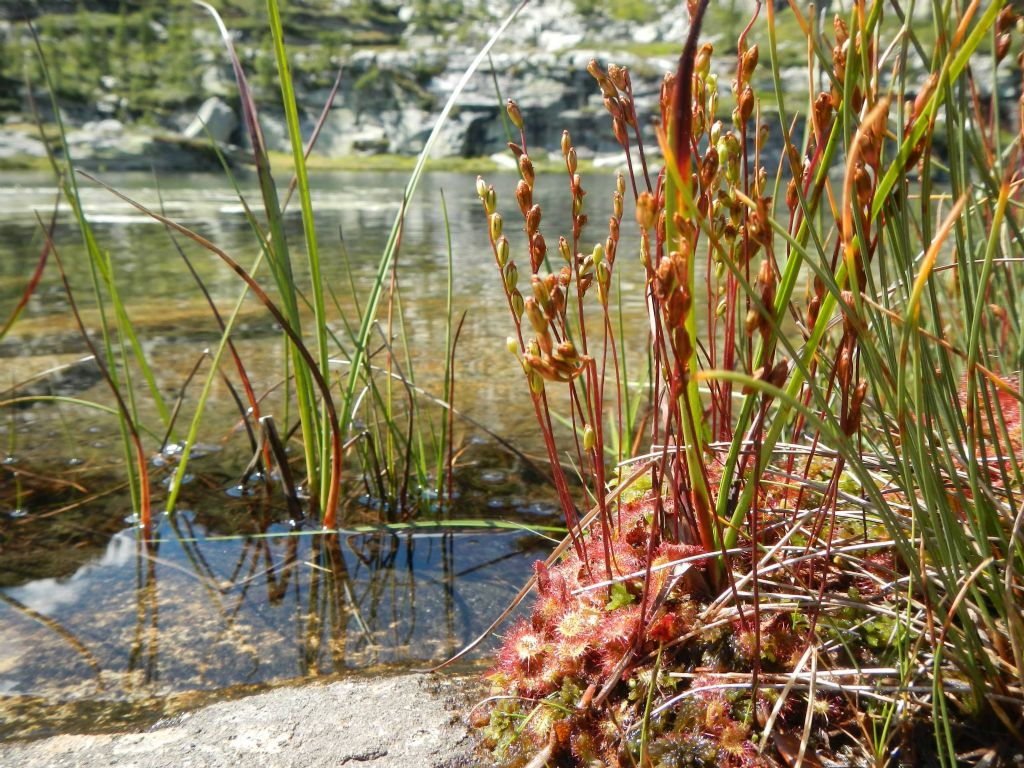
(819, 557)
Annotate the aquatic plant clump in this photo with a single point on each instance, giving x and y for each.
(797, 541)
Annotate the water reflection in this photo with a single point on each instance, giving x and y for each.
(355, 214)
(195, 611)
(228, 594)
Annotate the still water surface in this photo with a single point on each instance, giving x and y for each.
(96, 630)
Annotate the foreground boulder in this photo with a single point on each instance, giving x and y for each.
(384, 722)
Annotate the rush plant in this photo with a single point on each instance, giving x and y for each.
(374, 427)
(819, 549)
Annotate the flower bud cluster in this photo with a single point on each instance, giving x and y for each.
(617, 89)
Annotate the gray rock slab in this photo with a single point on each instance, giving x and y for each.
(383, 722)
(215, 117)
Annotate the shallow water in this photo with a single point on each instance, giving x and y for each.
(98, 630)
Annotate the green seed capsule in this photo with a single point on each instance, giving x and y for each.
(589, 438)
(512, 345)
(496, 225)
(563, 250)
(481, 187)
(502, 249)
(536, 382)
(511, 276)
(517, 303)
(716, 134)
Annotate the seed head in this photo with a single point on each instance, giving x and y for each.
(511, 276)
(532, 220)
(566, 352)
(589, 438)
(702, 62)
(563, 249)
(619, 129)
(541, 292)
(779, 373)
(709, 168)
(749, 63)
(711, 91)
(822, 110)
(613, 229)
(619, 76)
(606, 85)
(645, 249)
(813, 308)
(614, 107)
(524, 196)
(603, 279)
(727, 144)
(536, 382)
(842, 31)
(751, 321)
(792, 195)
(502, 249)
(513, 114)
(628, 111)
(526, 169)
(646, 210)
(535, 315)
(746, 104)
(496, 225)
(844, 367)
(540, 249)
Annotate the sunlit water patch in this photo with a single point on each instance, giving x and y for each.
(96, 629)
(195, 611)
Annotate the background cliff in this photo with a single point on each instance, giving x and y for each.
(132, 75)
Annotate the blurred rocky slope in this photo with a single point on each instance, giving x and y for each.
(138, 79)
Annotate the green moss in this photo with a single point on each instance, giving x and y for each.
(24, 163)
(621, 10)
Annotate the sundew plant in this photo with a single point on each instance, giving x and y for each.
(799, 538)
